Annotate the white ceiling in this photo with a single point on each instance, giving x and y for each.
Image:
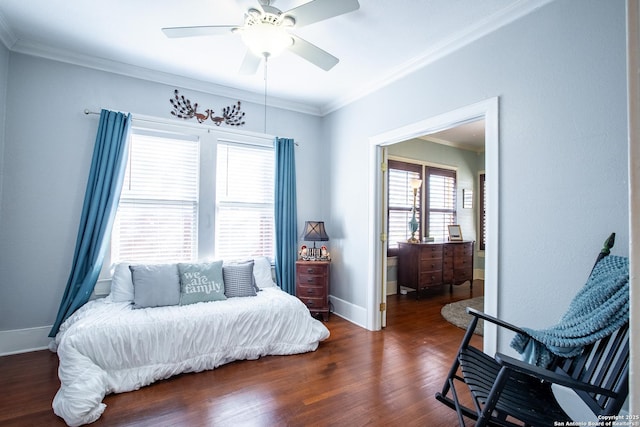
(376, 44)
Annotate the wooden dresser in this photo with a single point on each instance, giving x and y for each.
(312, 286)
(425, 265)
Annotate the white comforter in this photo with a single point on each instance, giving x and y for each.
(108, 347)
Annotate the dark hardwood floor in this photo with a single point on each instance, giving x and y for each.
(355, 378)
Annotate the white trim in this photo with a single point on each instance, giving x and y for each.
(487, 109)
(349, 311)
(24, 340)
(128, 70)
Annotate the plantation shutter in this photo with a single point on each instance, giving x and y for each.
(441, 199)
(157, 219)
(401, 201)
(245, 201)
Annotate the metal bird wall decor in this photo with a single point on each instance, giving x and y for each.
(184, 109)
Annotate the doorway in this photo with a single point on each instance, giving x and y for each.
(484, 110)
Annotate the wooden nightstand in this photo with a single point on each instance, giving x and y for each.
(312, 286)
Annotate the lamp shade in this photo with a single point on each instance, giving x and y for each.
(314, 232)
(415, 183)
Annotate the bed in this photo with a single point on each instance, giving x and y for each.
(110, 346)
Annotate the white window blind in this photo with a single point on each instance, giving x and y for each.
(401, 201)
(244, 198)
(157, 218)
(441, 201)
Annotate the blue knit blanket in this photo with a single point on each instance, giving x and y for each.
(600, 308)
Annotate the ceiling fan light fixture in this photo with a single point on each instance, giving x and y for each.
(265, 39)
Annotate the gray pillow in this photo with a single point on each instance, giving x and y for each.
(121, 284)
(155, 285)
(238, 280)
(201, 282)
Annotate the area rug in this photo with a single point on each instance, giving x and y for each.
(456, 314)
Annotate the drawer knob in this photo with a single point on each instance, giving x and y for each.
(309, 280)
(309, 303)
(309, 270)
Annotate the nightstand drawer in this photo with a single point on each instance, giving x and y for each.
(313, 303)
(311, 280)
(312, 269)
(312, 286)
(311, 291)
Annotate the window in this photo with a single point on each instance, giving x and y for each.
(244, 199)
(193, 194)
(482, 212)
(401, 201)
(435, 214)
(440, 200)
(157, 218)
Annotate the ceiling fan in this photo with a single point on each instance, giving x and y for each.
(267, 31)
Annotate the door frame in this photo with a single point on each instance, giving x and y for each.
(377, 252)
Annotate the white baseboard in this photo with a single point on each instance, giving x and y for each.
(24, 340)
(348, 311)
(392, 287)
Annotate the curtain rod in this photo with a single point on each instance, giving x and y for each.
(167, 122)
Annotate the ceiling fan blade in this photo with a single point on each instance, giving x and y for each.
(319, 10)
(249, 64)
(313, 53)
(205, 30)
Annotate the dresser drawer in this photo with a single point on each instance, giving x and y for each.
(430, 252)
(430, 278)
(427, 265)
(463, 274)
(460, 262)
(463, 251)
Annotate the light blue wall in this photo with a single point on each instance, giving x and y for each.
(47, 153)
(4, 70)
(560, 75)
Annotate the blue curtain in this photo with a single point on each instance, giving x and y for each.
(99, 210)
(286, 215)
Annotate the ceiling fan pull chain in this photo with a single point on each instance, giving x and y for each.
(266, 66)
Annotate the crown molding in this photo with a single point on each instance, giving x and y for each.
(452, 144)
(440, 50)
(101, 64)
(7, 36)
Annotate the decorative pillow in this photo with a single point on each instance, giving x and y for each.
(262, 273)
(155, 285)
(238, 280)
(201, 282)
(121, 284)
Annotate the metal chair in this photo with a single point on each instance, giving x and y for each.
(509, 392)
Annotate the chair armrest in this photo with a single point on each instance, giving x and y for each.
(495, 320)
(550, 376)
